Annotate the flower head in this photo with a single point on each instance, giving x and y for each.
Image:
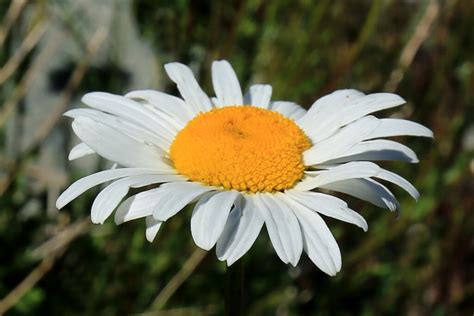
(243, 160)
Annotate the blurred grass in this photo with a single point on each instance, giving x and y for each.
(420, 264)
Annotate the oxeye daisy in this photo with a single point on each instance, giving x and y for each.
(242, 161)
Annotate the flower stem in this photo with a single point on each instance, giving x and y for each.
(234, 296)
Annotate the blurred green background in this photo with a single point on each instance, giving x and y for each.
(52, 52)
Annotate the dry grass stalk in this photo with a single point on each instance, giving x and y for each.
(76, 78)
(30, 75)
(44, 130)
(51, 251)
(178, 279)
(26, 46)
(420, 34)
(14, 11)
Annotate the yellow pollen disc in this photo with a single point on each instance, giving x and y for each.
(241, 147)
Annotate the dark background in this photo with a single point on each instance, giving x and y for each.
(52, 52)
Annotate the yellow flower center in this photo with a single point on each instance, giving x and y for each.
(241, 147)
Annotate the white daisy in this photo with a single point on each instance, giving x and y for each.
(244, 160)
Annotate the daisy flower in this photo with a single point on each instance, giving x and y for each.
(242, 161)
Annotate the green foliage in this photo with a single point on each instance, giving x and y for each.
(419, 264)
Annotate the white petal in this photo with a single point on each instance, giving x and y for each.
(282, 227)
(129, 110)
(177, 196)
(318, 241)
(240, 232)
(169, 104)
(400, 181)
(116, 146)
(325, 204)
(226, 84)
(356, 169)
(119, 106)
(325, 106)
(188, 87)
(84, 184)
(135, 131)
(152, 228)
(367, 190)
(397, 127)
(379, 149)
(289, 109)
(169, 123)
(80, 150)
(209, 217)
(331, 103)
(353, 170)
(324, 126)
(110, 197)
(137, 206)
(342, 141)
(259, 95)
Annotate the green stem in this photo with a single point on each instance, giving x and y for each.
(234, 294)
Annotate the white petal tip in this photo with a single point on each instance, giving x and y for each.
(85, 98)
(90, 96)
(392, 207)
(132, 94)
(220, 61)
(230, 262)
(415, 195)
(396, 98)
(170, 66)
(203, 246)
(97, 220)
(365, 227)
(68, 114)
(331, 272)
(60, 204)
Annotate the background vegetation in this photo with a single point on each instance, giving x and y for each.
(57, 263)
